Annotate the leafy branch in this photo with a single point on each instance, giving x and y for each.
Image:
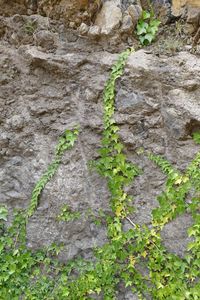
(65, 142)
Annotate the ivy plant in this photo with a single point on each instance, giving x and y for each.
(147, 27)
(67, 214)
(196, 137)
(3, 213)
(66, 142)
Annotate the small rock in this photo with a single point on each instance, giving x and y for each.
(77, 21)
(42, 23)
(30, 12)
(135, 12)
(83, 29)
(72, 24)
(191, 85)
(128, 102)
(91, 96)
(2, 28)
(45, 39)
(114, 40)
(109, 18)
(130, 296)
(130, 41)
(94, 31)
(71, 37)
(193, 17)
(187, 48)
(127, 24)
(179, 7)
(14, 38)
(162, 9)
(117, 2)
(62, 28)
(189, 29)
(17, 19)
(16, 122)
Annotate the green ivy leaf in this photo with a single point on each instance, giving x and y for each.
(149, 37)
(196, 137)
(145, 15)
(142, 28)
(3, 213)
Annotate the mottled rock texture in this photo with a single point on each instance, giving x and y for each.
(46, 87)
(179, 5)
(76, 10)
(109, 18)
(9, 8)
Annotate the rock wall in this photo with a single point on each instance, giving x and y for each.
(179, 5)
(125, 13)
(52, 80)
(43, 92)
(9, 8)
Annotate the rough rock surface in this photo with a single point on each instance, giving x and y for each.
(109, 17)
(46, 88)
(178, 6)
(9, 8)
(74, 13)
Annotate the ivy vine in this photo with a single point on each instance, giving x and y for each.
(66, 142)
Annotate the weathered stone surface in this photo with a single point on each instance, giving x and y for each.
(9, 8)
(42, 93)
(70, 10)
(109, 18)
(94, 31)
(45, 39)
(83, 29)
(175, 235)
(66, 7)
(127, 24)
(80, 10)
(178, 6)
(41, 22)
(2, 27)
(193, 17)
(135, 13)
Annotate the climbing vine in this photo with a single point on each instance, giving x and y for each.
(66, 142)
(136, 258)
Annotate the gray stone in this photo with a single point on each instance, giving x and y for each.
(2, 27)
(141, 60)
(193, 16)
(94, 31)
(42, 23)
(129, 102)
(127, 24)
(135, 12)
(175, 235)
(173, 122)
(117, 2)
(16, 122)
(131, 296)
(45, 39)
(83, 29)
(72, 24)
(44, 93)
(109, 18)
